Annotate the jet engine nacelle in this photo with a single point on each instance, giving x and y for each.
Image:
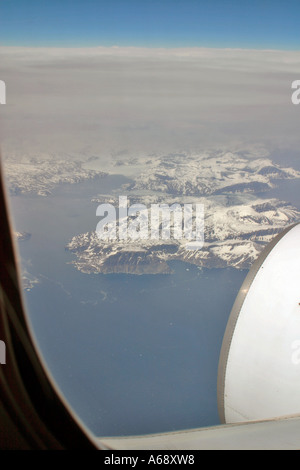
(259, 369)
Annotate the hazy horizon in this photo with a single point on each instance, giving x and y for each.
(117, 99)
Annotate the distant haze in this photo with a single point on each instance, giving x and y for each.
(125, 100)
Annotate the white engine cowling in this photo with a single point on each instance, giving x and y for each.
(259, 368)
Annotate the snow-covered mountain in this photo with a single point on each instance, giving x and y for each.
(40, 174)
(239, 222)
(207, 174)
(22, 236)
(234, 236)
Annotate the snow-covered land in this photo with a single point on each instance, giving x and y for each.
(210, 173)
(41, 173)
(238, 220)
(234, 235)
(238, 223)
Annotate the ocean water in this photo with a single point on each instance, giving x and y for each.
(132, 354)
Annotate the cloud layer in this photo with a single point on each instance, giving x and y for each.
(138, 99)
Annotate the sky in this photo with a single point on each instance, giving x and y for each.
(258, 24)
